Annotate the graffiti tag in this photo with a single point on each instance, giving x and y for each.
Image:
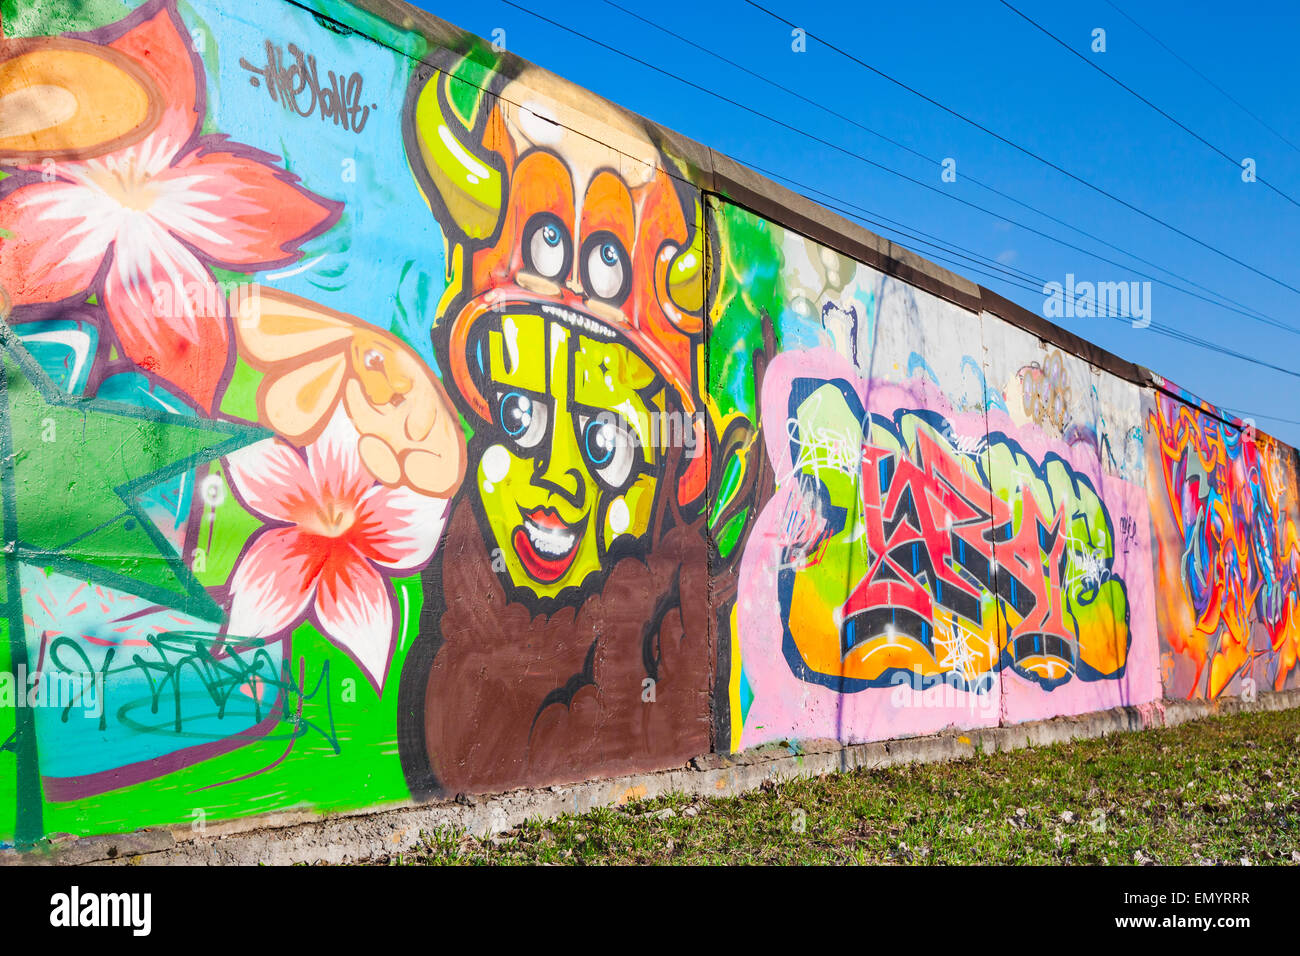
(295, 84)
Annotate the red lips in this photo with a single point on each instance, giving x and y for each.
(558, 544)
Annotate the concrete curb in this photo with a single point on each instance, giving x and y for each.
(289, 838)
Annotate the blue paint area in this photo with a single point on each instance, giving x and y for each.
(385, 260)
(986, 395)
(64, 348)
(916, 363)
(154, 698)
(746, 695)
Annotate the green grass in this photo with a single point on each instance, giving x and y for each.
(1223, 790)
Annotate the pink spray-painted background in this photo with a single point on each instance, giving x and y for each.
(786, 707)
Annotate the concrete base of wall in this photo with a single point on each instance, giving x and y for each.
(287, 838)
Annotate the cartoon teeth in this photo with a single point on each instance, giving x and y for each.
(554, 542)
(578, 320)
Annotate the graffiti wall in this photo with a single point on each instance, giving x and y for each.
(923, 517)
(1224, 515)
(384, 419)
(339, 392)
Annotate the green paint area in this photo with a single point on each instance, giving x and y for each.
(731, 531)
(23, 18)
(77, 469)
(240, 400)
(745, 312)
(750, 296)
(224, 529)
(338, 752)
(1096, 601)
(72, 472)
(471, 75)
(8, 755)
(72, 483)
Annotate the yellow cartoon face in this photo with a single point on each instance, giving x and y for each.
(569, 466)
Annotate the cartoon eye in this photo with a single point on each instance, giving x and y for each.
(546, 246)
(373, 359)
(522, 418)
(605, 268)
(610, 447)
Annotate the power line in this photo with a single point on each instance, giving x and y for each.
(870, 162)
(1249, 312)
(1157, 327)
(407, 55)
(1016, 282)
(1236, 163)
(1245, 416)
(1224, 93)
(884, 223)
(1024, 150)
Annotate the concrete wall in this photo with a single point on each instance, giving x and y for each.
(943, 518)
(1224, 519)
(386, 419)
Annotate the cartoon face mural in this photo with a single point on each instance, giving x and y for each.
(573, 346)
(1225, 515)
(576, 465)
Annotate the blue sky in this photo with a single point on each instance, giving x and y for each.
(980, 59)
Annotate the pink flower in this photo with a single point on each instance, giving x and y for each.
(143, 225)
(335, 537)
